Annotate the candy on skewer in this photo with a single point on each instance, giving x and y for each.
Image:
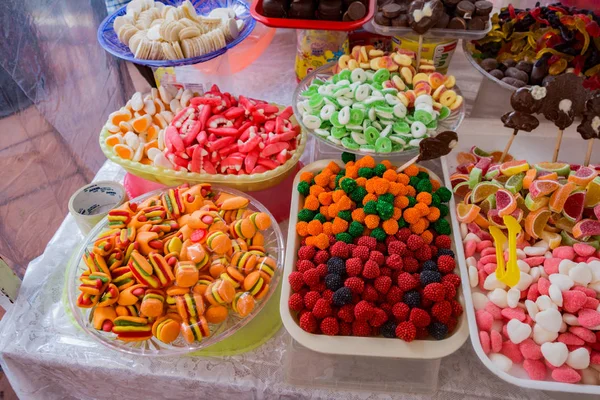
(433, 147)
(423, 15)
(590, 125)
(564, 101)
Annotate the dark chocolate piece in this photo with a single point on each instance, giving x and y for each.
(508, 63)
(382, 20)
(330, 10)
(437, 146)
(401, 20)
(496, 73)
(489, 64)
(465, 9)
(457, 23)
(443, 21)
(590, 124)
(477, 23)
(528, 100)
(275, 8)
(525, 66)
(356, 11)
(301, 10)
(423, 15)
(565, 100)
(521, 121)
(483, 8)
(513, 82)
(451, 3)
(391, 11)
(513, 72)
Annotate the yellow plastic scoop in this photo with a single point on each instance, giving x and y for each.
(510, 274)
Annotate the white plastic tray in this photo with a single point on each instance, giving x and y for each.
(349, 345)
(534, 147)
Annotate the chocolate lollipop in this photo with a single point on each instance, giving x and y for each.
(525, 102)
(423, 15)
(433, 147)
(590, 125)
(565, 100)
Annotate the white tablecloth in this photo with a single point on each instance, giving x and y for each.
(46, 357)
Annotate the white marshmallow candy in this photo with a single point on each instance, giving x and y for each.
(535, 251)
(595, 268)
(501, 361)
(565, 266)
(562, 281)
(473, 276)
(555, 295)
(520, 254)
(555, 353)
(544, 302)
(517, 331)
(464, 230)
(579, 359)
(523, 266)
(471, 261)
(581, 274)
(535, 273)
(479, 301)
(491, 283)
(471, 236)
(549, 319)
(498, 297)
(570, 319)
(563, 327)
(540, 335)
(595, 286)
(532, 308)
(524, 281)
(512, 297)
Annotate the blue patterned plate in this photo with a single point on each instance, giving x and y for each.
(109, 40)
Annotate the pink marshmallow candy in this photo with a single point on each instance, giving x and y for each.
(564, 252)
(566, 374)
(551, 265)
(530, 350)
(535, 369)
(484, 339)
(484, 320)
(583, 249)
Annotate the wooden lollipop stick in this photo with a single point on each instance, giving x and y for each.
(510, 141)
(588, 155)
(407, 164)
(419, 51)
(557, 145)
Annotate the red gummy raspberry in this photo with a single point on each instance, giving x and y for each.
(452, 279)
(310, 299)
(332, 240)
(306, 252)
(361, 328)
(345, 329)
(406, 331)
(394, 295)
(382, 284)
(410, 264)
(377, 256)
(368, 241)
(419, 317)
(370, 270)
(339, 249)
(321, 257)
(423, 253)
(394, 262)
(311, 277)
(362, 252)
(304, 265)
(452, 322)
(363, 311)
(296, 281)
(390, 239)
(354, 266)
(308, 322)
(415, 242)
(379, 318)
(407, 282)
(387, 308)
(356, 285)
(401, 311)
(346, 313)
(329, 326)
(397, 248)
(370, 294)
(457, 308)
(381, 247)
(322, 309)
(403, 234)
(322, 269)
(434, 292)
(446, 264)
(295, 302)
(327, 295)
(442, 311)
(318, 287)
(450, 290)
(443, 242)
(422, 333)
(385, 271)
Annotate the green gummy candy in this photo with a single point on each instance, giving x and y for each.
(339, 133)
(335, 120)
(444, 112)
(316, 101)
(368, 148)
(335, 78)
(317, 82)
(432, 125)
(345, 75)
(409, 119)
(423, 116)
(401, 127)
(350, 144)
(381, 75)
(383, 145)
(371, 135)
(356, 116)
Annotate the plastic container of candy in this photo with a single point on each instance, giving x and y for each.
(432, 33)
(153, 347)
(171, 177)
(107, 37)
(289, 23)
(571, 151)
(468, 50)
(350, 345)
(452, 122)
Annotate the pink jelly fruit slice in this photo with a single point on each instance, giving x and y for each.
(585, 228)
(573, 208)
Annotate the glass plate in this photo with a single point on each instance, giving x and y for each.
(153, 347)
(467, 48)
(107, 37)
(327, 71)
